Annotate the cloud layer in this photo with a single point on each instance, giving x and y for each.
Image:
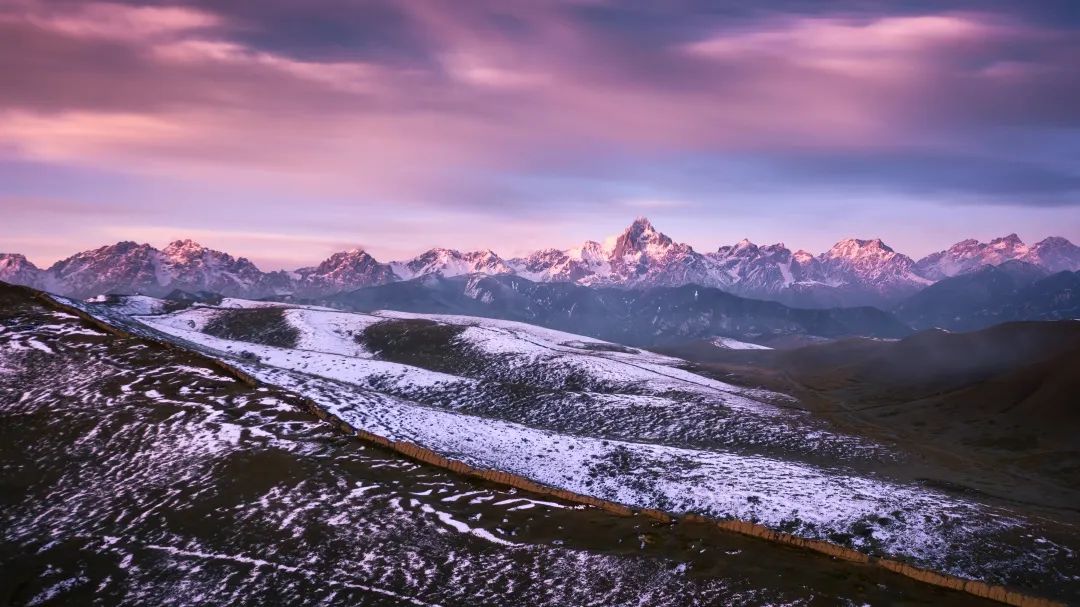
(508, 111)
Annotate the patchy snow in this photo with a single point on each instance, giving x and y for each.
(133, 305)
(234, 302)
(728, 343)
(330, 332)
(651, 466)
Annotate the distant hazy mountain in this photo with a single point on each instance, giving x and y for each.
(128, 267)
(853, 272)
(1014, 290)
(632, 316)
(1054, 254)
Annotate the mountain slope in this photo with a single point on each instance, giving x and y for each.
(1014, 290)
(448, 262)
(613, 423)
(646, 316)
(160, 479)
(340, 272)
(17, 269)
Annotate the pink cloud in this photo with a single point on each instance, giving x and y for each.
(165, 91)
(109, 20)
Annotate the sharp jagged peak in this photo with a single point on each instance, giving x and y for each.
(642, 223)
(123, 246)
(186, 249)
(184, 243)
(640, 237)
(1009, 238)
(354, 253)
(1012, 241)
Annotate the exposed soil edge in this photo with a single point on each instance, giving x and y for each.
(427, 456)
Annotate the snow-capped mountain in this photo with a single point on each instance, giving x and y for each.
(17, 269)
(125, 267)
(872, 266)
(765, 270)
(853, 272)
(129, 267)
(1055, 254)
(644, 257)
(342, 272)
(189, 266)
(579, 265)
(638, 257)
(448, 262)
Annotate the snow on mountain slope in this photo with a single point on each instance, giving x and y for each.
(17, 269)
(643, 257)
(765, 270)
(343, 271)
(871, 264)
(126, 267)
(448, 262)
(130, 268)
(1055, 254)
(634, 442)
(853, 272)
(189, 266)
(579, 265)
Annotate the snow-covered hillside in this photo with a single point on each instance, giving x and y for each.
(617, 423)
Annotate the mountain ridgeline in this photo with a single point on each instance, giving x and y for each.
(853, 272)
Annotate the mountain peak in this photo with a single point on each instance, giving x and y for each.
(184, 243)
(641, 238)
(1054, 241)
(857, 247)
(641, 223)
(1007, 242)
(13, 257)
(185, 249)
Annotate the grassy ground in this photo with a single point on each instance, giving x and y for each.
(993, 411)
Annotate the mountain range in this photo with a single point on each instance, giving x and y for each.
(853, 272)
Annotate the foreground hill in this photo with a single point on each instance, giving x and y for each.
(592, 420)
(157, 478)
(636, 317)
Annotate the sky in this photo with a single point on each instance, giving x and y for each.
(285, 130)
